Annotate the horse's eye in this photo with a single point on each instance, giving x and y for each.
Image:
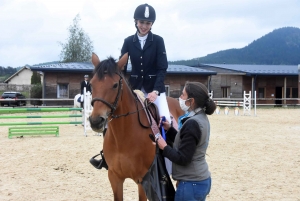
(115, 85)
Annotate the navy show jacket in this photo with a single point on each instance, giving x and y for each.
(149, 65)
(86, 85)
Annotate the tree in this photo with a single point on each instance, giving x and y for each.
(36, 89)
(35, 78)
(78, 47)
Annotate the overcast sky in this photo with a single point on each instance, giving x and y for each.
(30, 30)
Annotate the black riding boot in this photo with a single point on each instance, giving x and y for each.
(101, 163)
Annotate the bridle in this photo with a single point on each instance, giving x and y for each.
(113, 106)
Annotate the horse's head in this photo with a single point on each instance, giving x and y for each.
(106, 89)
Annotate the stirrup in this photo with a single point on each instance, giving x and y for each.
(99, 164)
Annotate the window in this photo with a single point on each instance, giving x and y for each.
(62, 90)
(288, 93)
(167, 90)
(211, 94)
(294, 93)
(261, 92)
(291, 92)
(225, 92)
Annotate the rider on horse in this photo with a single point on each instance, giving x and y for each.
(149, 63)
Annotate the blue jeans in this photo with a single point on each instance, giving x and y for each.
(193, 190)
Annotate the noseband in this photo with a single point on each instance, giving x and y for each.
(113, 106)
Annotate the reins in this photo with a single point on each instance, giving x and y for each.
(113, 106)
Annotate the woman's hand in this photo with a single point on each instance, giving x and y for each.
(166, 124)
(161, 142)
(152, 96)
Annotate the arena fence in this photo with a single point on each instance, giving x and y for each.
(246, 103)
(36, 130)
(33, 130)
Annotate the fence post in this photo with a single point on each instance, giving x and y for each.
(247, 103)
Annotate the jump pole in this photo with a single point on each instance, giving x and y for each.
(39, 109)
(39, 123)
(38, 116)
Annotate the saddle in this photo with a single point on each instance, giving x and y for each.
(153, 110)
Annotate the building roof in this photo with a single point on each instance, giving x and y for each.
(203, 69)
(221, 71)
(251, 70)
(87, 67)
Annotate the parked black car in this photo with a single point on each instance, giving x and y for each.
(16, 98)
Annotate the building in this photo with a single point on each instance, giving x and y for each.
(274, 84)
(21, 77)
(62, 81)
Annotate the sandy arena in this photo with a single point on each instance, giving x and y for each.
(250, 158)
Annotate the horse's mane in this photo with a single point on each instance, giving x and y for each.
(140, 94)
(108, 66)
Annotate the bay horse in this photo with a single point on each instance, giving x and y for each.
(128, 149)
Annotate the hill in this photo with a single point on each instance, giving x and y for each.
(5, 72)
(279, 47)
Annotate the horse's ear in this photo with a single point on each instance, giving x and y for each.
(95, 59)
(123, 61)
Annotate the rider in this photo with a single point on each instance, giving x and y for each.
(85, 83)
(148, 59)
(149, 63)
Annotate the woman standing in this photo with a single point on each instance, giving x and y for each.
(148, 58)
(189, 167)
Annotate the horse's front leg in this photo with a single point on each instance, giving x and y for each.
(116, 185)
(142, 194)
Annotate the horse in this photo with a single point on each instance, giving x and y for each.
(78, 104)
(77, 98)
(128, 149)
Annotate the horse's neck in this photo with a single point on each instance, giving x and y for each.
(127, 102)
(127, 105)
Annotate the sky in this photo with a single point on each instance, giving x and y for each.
(31, 30)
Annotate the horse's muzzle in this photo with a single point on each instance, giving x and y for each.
(97, 123)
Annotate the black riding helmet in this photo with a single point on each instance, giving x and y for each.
(145, 12)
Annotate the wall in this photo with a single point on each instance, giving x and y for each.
(298, 81)
(52, 79)
(237, 83)
(270, 83)
(22, 78)
(15, 87)
(176, 83)
(234, 82)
